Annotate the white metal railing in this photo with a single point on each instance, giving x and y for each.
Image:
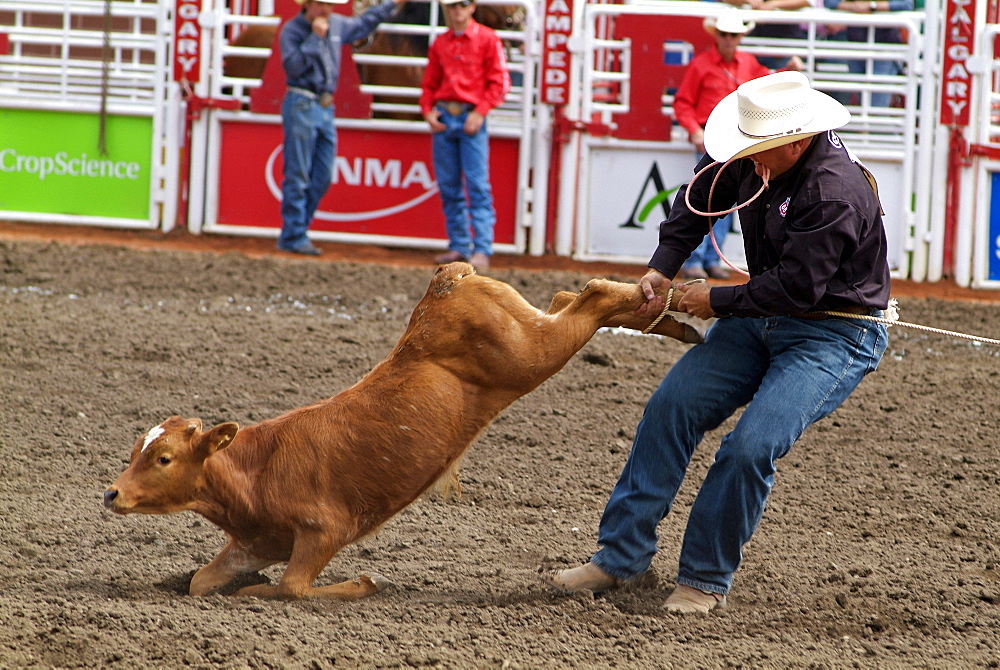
(56, 56)
(880, 128)
(224, 23)
(986, 101)
(895, 140)
(521, 46)
(520, 42)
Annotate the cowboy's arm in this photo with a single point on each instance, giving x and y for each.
(496, 76)
(300, 49)
(433, 75)
(358, 27)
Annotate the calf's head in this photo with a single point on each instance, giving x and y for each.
(166, 470)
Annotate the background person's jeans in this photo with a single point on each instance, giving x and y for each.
(309, 147)
(796, 371)
(464, 158)
(705, 255)
(856, 66)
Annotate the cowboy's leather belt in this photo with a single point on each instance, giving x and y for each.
(850, 309)
(324, 99)
(455, 107)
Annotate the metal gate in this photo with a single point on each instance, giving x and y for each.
(85, 132)
(977, 233)
(620, 121)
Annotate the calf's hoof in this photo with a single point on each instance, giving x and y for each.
(378, 581)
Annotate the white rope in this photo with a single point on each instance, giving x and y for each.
(666, 308)
(711, 227)
(915, 326)
(891, 318)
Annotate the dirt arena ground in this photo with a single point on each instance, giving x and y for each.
(880, 547)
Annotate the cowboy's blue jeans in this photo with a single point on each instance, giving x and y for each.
(459, 157)
(789, 373)
(309, 147)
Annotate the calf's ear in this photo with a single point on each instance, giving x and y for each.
(218, 437)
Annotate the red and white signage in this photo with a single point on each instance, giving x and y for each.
(187, 41)
(555, 51)
(383, 183)
(959, 42)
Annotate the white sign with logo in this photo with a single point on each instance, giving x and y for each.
(630, 193)
(631, 190)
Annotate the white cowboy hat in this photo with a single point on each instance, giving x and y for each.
(729, 21)
(329, 2)
(768, 112)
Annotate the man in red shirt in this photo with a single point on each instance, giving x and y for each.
(709, 77)
(466, 77)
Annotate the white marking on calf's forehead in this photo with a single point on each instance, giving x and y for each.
(151, 436)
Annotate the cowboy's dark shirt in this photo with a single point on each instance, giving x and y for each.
(814, 239)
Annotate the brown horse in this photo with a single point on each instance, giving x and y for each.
(249, 67)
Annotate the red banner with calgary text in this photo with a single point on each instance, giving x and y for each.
(959, 44)
(557, 29)
(187, 41)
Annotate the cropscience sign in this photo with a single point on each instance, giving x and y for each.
(50, 163)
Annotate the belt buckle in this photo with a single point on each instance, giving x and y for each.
(326, 99)
(453, 108)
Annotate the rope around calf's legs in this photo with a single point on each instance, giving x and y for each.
(666, 306)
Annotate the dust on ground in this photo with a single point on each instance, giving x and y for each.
(879, 547)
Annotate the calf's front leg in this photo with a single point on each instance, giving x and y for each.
(310, 555)
(231, 561)
(617, 308)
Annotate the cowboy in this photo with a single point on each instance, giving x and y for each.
(465, 78)
(814, 242)
(310, 54)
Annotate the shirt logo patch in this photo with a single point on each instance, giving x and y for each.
(834, 139)
(783, 209)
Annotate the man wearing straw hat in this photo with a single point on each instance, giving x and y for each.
(310, 54)
(814, 241)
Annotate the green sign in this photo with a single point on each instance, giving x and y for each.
(50, 163)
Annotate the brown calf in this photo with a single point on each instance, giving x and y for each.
(299, 487)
